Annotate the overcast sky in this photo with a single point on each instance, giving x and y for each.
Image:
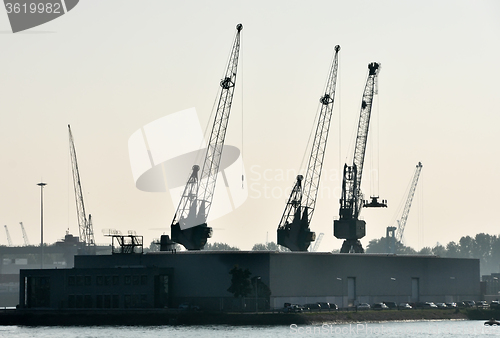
(111, 67)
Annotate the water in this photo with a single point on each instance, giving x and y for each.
(390, 329)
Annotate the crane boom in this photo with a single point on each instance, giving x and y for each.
(409, 200)
(85, 227)
(293, 230)
(189, 226)
(25, 236)
(349, 227)
(9, 240)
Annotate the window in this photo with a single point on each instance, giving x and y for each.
(144, 280)
(107, 301)
(79, 280)
(126, 280)
(87, 301)
(71, 280)
(107, 280)
(71, 301)
(116, 280)
(98, 301)
(126, 301)
(79, 301)
(116, 301)
(99, 280)
(135, 279)
(87, 280)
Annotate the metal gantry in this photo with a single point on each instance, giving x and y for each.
(293, 230)
(85, 226)
(349, 227)
(189, 227)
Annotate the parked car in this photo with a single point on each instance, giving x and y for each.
(483, 304)
(380, 306)
(293, 308)
(451, 305)
(189, 307)
(324, 306)
(405, 306)
(469, 303)
(363, 306)
(312, 306)
(426, 305)
(333, 306)
(391, 305)
(441, 305)
(495, 304)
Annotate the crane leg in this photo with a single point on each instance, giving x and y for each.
(352, 245)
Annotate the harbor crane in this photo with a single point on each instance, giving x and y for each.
(317, 242)
(25, 236)
(349, 227)
(293, 230)
(189, 225)
(9, 240)
(396, 234)
(84, 223)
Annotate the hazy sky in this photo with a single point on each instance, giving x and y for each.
(110, 67)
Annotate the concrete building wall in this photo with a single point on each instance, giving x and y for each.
(300, 278)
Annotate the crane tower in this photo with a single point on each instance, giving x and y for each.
(9, 240)
(349, 227)
(189, 226)
(293, 230)
(84, 223)
(396, 234)
(25, 236)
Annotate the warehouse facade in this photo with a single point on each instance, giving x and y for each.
(202, 278)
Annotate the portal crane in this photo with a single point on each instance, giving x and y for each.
(317, 242)
(398, 236)
(9, 240)
(84, 223)
(349, 227)
(189, 226)
(25, 236)
(293, 230)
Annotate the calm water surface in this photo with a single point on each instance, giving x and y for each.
(392, 329)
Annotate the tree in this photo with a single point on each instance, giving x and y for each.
(380, 246)
(216, 246)
(270, 246)
(240, 282)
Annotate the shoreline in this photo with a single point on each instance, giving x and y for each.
(176, 317)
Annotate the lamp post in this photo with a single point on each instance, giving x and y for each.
(257, 279)
(341, 291)
(41, 185)
(455, 287)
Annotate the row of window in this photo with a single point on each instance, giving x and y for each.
(107, 301)
(107, 280)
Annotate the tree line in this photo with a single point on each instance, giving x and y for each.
(483, 246)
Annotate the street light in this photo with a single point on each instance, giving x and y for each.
(41, 185)
(257, 279)
(341, 291)
(455, 293)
